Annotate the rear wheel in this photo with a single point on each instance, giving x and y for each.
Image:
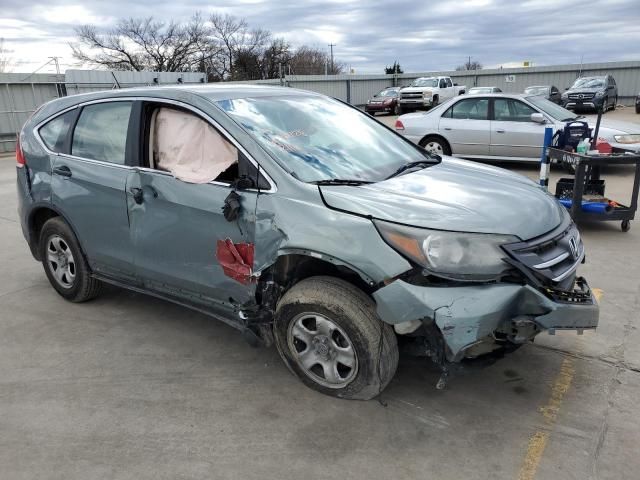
(64, 263)
(329, 335)
(437, 145)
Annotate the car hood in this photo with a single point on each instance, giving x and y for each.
(455, 195)
(584, 90)
(415, 89)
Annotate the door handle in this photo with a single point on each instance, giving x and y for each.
(447, 128)
(499, 131)
(138, 195)
(62, 170)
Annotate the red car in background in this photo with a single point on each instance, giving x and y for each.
(385, 101)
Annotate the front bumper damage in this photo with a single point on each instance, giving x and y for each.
(468, 316)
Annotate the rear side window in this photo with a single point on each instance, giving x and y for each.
(54, 132)
(101, 132)
(469, 109)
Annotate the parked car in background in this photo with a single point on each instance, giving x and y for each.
(549, 92)
(478, 90)
(592, 92)
(427, 92)
(501, 126)
(300, 221)
(385, 101)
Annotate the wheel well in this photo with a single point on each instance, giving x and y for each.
(292, 268)
(37, 220)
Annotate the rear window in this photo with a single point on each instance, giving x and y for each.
(54, 132)
(101, 132)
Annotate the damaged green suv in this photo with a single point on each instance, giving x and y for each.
(302, 222)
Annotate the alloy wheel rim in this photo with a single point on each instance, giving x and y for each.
(322, 350)
(61, 262)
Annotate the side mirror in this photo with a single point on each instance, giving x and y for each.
(538, 118)
(244, 183)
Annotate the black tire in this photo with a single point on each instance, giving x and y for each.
(625, 226)
(402, 110)
(396, 110)
(637, 107)
(446, 149)
(605, 105)
(352, 311)
(83, 286)
(434, 102)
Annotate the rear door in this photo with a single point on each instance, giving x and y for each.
(466, 126)
(89, 182)
(184, 245)
(513, 134)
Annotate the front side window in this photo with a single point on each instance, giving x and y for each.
(508, 110)
(54, 132)
(449, 84)
(317, 138)
(469, 109)
(101, 132)
(190, 148)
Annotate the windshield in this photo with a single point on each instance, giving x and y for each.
(589, 82)
(552, 109)
(425, 82)
(386, 93)
(318, 138)
(537, 90)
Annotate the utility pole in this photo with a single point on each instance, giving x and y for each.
(331, 45)
(55, 60)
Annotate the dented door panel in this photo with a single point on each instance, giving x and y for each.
(176, 231)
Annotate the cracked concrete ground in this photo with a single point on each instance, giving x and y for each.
(131, 387)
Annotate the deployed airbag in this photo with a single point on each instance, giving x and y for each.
(190, 148)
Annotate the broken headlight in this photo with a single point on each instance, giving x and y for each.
(453, 255)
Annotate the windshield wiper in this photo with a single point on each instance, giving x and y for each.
(341, 181)
(407, 166)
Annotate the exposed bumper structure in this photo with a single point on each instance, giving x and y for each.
(468, 315)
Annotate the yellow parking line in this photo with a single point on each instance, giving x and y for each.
(538, 441)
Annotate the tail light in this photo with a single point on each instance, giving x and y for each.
(399, 125)
(20, 160)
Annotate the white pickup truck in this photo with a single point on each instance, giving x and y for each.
(427, 92)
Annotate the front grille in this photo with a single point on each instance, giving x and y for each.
(552, 258)
(581, 96)
(411, 96)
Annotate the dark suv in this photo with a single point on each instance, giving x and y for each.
(592, 92)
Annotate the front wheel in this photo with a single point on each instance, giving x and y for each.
(329, 335)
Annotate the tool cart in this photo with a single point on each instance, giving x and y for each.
(584, 195)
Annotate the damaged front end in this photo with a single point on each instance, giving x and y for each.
(541, 292)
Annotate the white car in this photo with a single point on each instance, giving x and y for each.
(501, 127)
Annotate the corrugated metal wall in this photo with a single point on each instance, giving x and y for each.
(21, 94)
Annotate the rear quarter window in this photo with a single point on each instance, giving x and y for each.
(54, 132)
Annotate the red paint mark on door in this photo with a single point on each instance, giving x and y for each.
(236, 259)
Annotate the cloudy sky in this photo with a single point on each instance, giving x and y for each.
(421, 35)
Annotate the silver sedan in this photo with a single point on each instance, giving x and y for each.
(501, 127)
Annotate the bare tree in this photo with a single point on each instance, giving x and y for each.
(5, 59)
(313, 61)
(145, 44)
(470, 65)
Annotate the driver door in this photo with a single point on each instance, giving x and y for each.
(184, 246)
(513, 133)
